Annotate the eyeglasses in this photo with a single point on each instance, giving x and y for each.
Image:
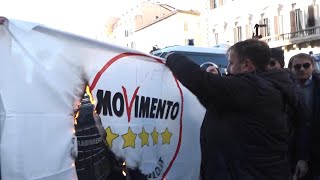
(272, 63)
(298, 66)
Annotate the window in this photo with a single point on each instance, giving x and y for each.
(239, 33)
(216, 38)
(278, 25)
(201, 57)
(311, 19)
(126, 33)
(298, 19)
(266, 21)
(213, 4)
(281, 25)
(185, 26)
(265, 27)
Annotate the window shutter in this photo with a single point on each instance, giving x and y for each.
(211, 4)
(261, 30)
(311, 19)
(293, 21)
(276, 25)
(220, 2)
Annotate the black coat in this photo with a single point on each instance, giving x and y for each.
(244, 134)
(315, 127)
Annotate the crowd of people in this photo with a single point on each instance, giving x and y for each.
(262, 120)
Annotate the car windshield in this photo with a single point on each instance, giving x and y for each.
(200, 58)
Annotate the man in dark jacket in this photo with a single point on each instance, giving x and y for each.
(244, 134)
(302, 66)
(298, 118)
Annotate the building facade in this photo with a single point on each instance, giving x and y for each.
(177, 28)
(292, 25)
(154, 24)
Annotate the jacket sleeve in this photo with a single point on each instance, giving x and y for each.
(302, 128)
(211, 89)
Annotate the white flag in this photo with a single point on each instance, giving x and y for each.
(151, 120)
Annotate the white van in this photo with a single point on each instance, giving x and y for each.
(199, 55)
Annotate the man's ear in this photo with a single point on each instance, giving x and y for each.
(248, 65)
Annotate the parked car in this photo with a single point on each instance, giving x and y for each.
(317, 62)
(201, 55)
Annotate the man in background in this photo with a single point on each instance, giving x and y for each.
(302, 66)
(277, 59)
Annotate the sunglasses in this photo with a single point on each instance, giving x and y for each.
(272, 63)
(305, 66)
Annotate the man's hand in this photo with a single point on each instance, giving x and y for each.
(2, 20)
(212, 69)
(301, 169)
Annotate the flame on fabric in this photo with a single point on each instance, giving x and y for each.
(123, 172)
(89, 94)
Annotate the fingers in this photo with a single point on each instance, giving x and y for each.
(301, 169)
(212, 69)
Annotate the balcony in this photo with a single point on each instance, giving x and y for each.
(302, 36)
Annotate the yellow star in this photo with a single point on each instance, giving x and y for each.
(129, 139)
(155, 136)
(144, 136)
(166, 136)
(110, 136)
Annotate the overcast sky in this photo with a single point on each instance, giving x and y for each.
(84, 17)
(78, 16)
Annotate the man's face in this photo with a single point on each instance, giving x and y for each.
(235, 66)
(274, 64)
(302, 68)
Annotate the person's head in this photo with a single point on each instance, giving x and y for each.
(247, 56)
(277, 59)
(302, 66)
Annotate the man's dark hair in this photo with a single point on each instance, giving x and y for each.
(302, 56)
(257, 51)
(278, 55)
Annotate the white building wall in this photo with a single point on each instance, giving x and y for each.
(168, 32)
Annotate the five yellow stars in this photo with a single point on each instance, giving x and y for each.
(129, 138)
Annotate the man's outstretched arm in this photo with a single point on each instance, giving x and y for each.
(208, 87)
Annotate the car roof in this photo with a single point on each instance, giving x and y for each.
(192, 49)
